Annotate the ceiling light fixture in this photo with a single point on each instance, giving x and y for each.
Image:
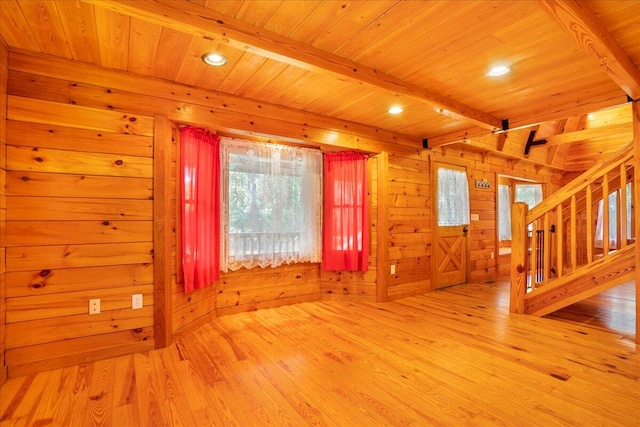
(500, 70)
(396, 109)
(214, 59)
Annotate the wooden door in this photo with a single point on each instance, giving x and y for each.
(451, 222)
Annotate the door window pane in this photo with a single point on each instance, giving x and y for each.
(453, 197)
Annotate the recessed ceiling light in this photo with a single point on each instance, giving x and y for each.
(396, 109)
(214, 59)
(500, 70)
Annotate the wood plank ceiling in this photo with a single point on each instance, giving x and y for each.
(352, 60)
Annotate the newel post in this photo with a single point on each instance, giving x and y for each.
(636, 202)
(518, 257)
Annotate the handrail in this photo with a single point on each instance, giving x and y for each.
(536, 259)
(598, 170)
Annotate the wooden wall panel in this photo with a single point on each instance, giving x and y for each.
(79, 209)
(3, 202)
(409, 223)
(246, 290)
(67, 185)
(79, 140)
(82, 155)
(55, 281)
(43, 357)
(483, 247)
(79, 226)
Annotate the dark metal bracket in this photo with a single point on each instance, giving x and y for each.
(532, 143)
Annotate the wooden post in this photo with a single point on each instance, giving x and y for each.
(636, 203)
(518, 257)
(622, 212)
(382, 255)
(162, 214)
(546, 264)
(4, 60)
(590, 235)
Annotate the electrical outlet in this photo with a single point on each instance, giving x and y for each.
(493, 255)
(94, 306)
(393, 269)
(136, 301)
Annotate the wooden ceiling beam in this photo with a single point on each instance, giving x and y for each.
(517, 123)
(620, 130)
(193, 19)
(579, 21)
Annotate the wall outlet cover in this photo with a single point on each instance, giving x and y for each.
(94, 306)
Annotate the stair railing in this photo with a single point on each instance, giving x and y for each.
(557, 237)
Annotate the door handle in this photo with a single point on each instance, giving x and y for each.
(465, 230)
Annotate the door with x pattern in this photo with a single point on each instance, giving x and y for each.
(451, 222)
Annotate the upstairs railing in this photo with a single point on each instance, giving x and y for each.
(558, 236)
(263, 243)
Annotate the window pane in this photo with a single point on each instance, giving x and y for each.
(504, 207)
(272, 207)
(453, 197)
(531, 194)
(629, 210)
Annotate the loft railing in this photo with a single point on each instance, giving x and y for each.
(558, 236)
(263, 243)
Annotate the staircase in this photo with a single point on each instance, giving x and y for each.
(558, 255)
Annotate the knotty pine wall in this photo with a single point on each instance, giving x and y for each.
(81, 195)
(406, 193)
(79, 226)
(401, 217)
(84, 174)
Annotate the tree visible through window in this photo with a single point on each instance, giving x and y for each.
(531, 194)
(271, 211)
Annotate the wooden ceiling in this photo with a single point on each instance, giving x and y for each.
(573, 64)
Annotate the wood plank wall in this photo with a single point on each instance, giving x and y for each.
(408, 201)
(3, 204)
(405, 195)
(80, 215)
(79, 227)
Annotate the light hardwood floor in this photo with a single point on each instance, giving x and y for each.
(455, 357)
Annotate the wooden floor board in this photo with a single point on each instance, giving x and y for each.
(454, 357)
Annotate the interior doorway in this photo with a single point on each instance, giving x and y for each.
(510, 190)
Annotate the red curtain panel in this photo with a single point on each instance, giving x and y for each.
(346, 212)
(200, 197)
